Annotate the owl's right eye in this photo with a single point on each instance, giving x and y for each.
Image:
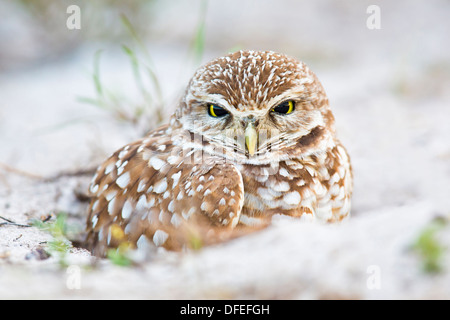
(216, 111)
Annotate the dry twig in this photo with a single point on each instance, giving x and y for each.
(75, 173)
(12, 223)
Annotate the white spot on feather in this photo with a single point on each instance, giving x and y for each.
(141, 186)
(324, 212)
(160, 237)
(161, 186)
(175, 220)
(127, 209)
(172, 160)
(95, 205)
(319, 189)
(171, 206)
(292, 198)
(111, 205)
(283, 172)
(162, 147)
(94, 188)
(176, 178)
(109, 168)
(142, 203)
(143, 243)
(122, 154)
(334, 190)
(110, 195)
(334, 178)
(123, 180)
(250, 221)
(187, 215)
(157, 163)
(94, 221)
(281, 186)
(266, 194)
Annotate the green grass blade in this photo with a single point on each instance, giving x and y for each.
(198, 45)
(96, 74)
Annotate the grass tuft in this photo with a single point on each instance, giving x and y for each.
(60, 231)
(429, 248)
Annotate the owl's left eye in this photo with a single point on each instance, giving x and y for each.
(216, 111)
(285, 107)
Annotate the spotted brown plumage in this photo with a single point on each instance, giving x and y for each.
(253, 136)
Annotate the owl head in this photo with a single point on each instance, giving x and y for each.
(257, 107)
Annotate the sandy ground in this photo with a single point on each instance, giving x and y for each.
(389, 92)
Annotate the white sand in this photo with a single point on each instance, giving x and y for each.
(389, 92)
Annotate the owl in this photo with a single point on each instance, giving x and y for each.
(252, 136)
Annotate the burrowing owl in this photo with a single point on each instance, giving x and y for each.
(253, 136)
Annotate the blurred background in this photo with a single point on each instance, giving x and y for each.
(80, 78)
(75, 88)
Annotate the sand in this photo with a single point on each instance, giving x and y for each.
(388, 89)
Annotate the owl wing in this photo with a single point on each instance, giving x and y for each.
(154, 191)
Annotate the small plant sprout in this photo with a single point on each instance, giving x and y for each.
(429, 248)
(59, 245)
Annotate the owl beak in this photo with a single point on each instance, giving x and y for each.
(251, 138)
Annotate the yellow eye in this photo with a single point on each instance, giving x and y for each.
(216, 111)
(285, 107)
